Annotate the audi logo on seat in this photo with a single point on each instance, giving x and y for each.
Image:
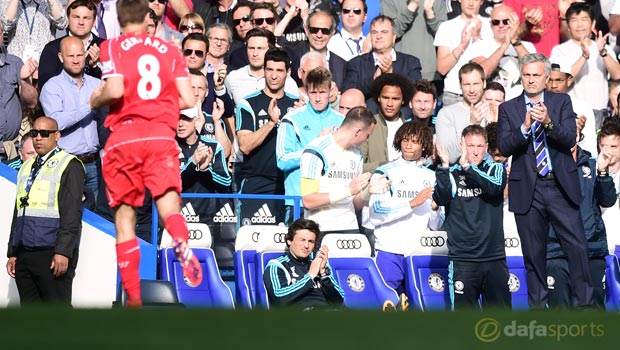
(349, 244)
(432, 241)
(195, 234)
(279, 237)
(511, 242)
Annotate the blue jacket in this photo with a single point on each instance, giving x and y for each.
(597, 191)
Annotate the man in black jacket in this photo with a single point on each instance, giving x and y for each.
(47, 221)
(300, 278)
(472, 192)
(598, 190)
(81, 15)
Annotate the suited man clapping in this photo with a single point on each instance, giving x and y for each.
(538, 130)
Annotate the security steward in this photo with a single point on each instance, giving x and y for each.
(47, 222)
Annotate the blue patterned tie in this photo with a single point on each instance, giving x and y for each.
(357, 43)
(542, 161)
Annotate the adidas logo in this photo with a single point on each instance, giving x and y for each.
(189, 213)
(262, 112)
(263, 216)
(306, 127)
(226, 214)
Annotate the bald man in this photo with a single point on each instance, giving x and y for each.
(351, 98)
(45, 235)
(65, 99)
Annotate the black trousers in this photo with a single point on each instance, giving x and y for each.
(550, 206)
(558, 282)
(35, 281)
(470, 280)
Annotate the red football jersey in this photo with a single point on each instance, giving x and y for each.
(149, 67)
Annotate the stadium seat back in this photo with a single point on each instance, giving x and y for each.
(517, 284)
(426, 282)
(347, 245)
(426, 271)
(363, 285)
(156, 294)
(272, 239)
(246, 244)
(211, 293)
(612, 284)
(199, 236)
(512, 243)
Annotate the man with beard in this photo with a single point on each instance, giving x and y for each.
(258, 117)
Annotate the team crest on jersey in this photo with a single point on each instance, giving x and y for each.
(550, 282)
(52, 163)
(458, 287)
(356, 283)
(436, 282)
(513, 283)
(462, 180)
(352, 165)
(587, 172)
(209, 127)
(426, 184)
(290, 109)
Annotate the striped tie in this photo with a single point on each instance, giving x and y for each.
(542, 161)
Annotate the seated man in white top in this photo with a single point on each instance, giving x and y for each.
(589, 59)
(500, 55)
(333, 186)
(454, 41)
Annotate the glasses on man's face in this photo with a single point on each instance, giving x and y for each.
(43, 133)
(159, 1)
(218, 40)
(357, 11)
(189, 52)
(496, 22)
(314, 30)
(260, 21)
(188, 27)
(237, 22)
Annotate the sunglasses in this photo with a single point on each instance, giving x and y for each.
(159, 1)
(185, 28)
(43, 133)
(260, 21)
(356, 10)
(496, 22)
(314, 30)
(189, 52)
(242, 19)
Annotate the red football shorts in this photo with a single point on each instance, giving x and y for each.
(138, 156)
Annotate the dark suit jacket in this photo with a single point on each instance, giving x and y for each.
(337, 64)
(51, 65)
(523, 172)
(361, 70)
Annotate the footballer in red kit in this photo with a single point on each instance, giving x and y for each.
(146, 84)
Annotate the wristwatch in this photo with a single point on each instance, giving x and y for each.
(603, 53)
(326, 273)
(516, 43)
(549, 126)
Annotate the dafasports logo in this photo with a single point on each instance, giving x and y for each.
(489, 330)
